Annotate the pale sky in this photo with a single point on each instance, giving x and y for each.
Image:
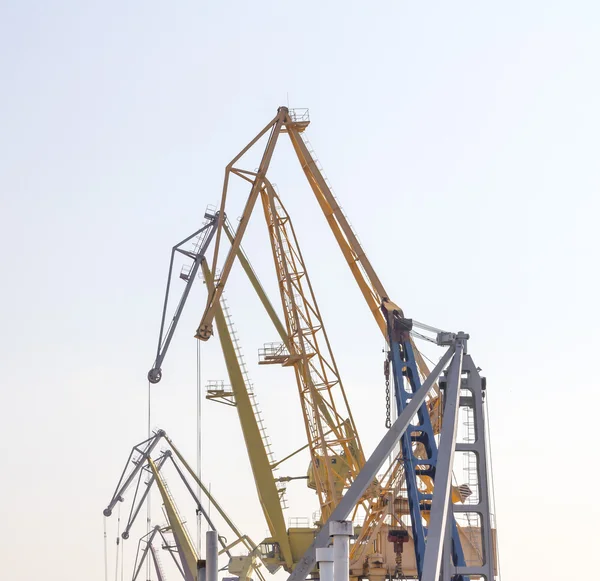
(462, 141)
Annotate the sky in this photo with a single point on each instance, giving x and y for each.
(462, 141)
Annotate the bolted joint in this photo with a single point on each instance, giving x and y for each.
(204, 332)
(445, 338)
(341, 528)
(462, 339)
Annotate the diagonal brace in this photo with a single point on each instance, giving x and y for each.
(443, 474)
(370, 469)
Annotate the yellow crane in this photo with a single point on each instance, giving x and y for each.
(375, 504)
(185, 546)
(141, 460)
(268, 493)
(332, 439)
(333, 442)
(188, 562)
(366, 278)
(284, 546)
(336, 454)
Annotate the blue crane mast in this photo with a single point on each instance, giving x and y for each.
(407, 382)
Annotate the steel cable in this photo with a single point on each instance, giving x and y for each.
(148, 503)
(118, 539)
(105, 553)
(199, 436)
(492, 491)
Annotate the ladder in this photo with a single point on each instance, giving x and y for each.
(316, 161)
(266, 440)
(176, 509)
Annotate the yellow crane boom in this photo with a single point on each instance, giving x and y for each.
(256, 179)
(337, 441)
(185, 546)
(366, 278)
(336, 453)
(262, 470)
(185, 557)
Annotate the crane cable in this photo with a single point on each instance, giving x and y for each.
(122, 561)
(118, 539)
(199, 437)
(105, 553)
(491, 490)
(148, 504)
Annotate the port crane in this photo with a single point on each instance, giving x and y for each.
(140, 463)
(336, 453)
(200, 240)
(240, 395)
(419, 447)
(285, 546)
(299, 346)
(147, 550)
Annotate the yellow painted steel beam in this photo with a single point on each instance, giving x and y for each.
(260, 291)
(268, 306)
(368, 282)
(262, 471)
(325, 432)
(366, 278)
(187, 552)
(245, 540)
(319, 402)
(337, 457)
(364, 273)
(204, 330)
(248, 542)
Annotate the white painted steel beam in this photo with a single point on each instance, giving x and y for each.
(325, 561)
(436, 531)
(341, 531)
(370, 469)
(212, 556)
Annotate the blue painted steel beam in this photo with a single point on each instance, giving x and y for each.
(406, 383)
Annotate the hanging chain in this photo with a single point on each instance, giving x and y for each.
(399, 572)
(388, 405)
